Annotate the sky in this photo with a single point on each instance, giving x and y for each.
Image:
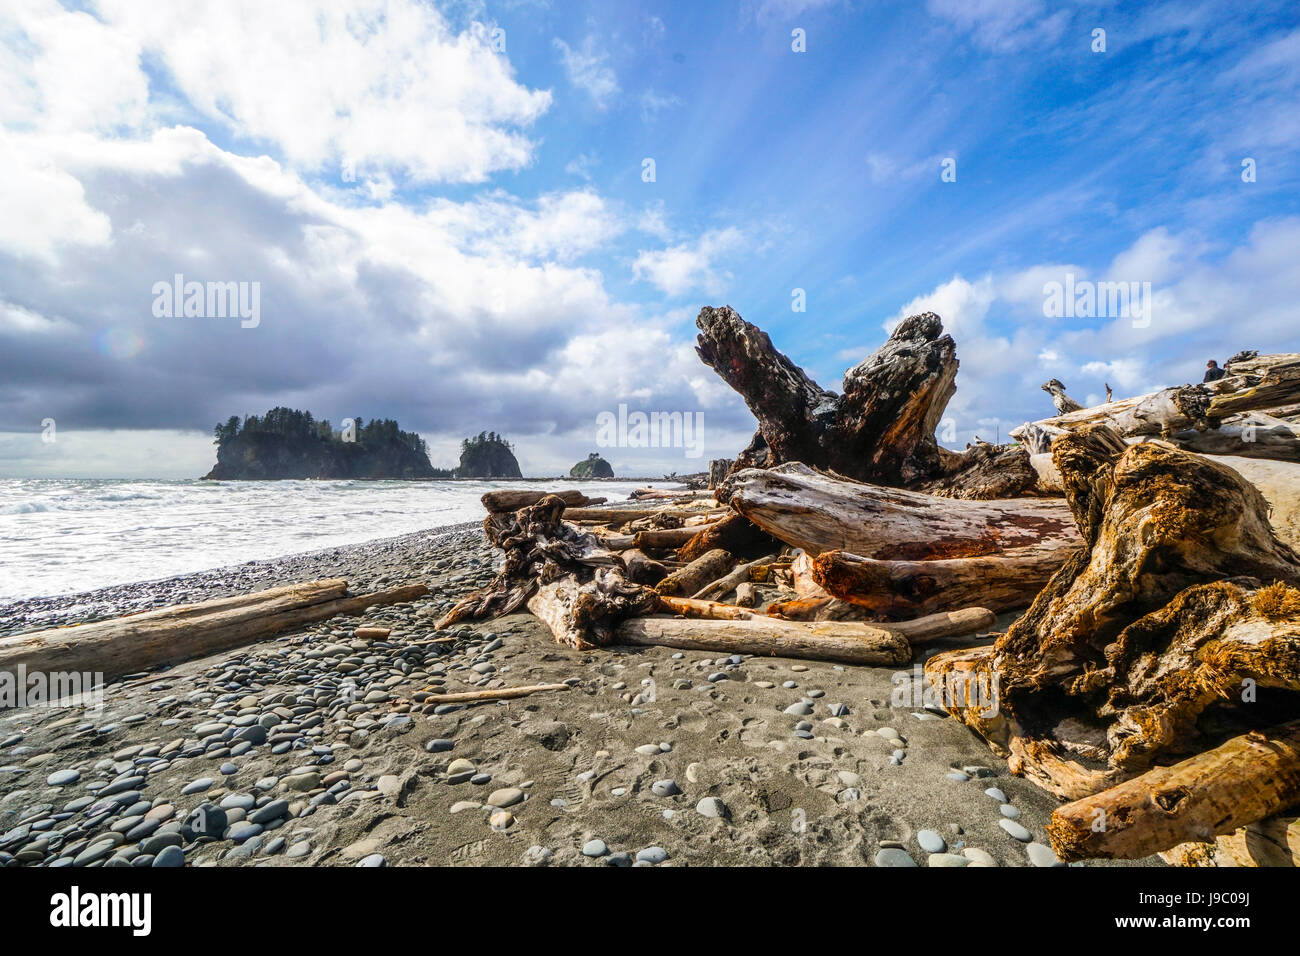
(506, 215)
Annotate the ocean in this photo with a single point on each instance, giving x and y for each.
(62, 536)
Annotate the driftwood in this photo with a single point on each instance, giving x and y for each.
(729, 582)
(642, 569)
(606, 515)
(817, 512)
(733, 533)
(142, 641)
(668, 538)
(501, 501)
(881, 428)
(707, 567)
(849, 643)
(562, 574)
(1252, 384)
(1163, 637)
(900, 589)
(705, 610)
(499, 693)
(1246, 779)
(983, 472)
(765, 636)
(746, 594)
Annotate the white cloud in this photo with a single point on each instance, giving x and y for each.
(381, 87)
(691, 265)
(588, 69)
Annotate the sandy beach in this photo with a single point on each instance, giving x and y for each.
(318, 748)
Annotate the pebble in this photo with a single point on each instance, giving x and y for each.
(801, 709)
(594, 848)
(946, 860)
(61, 778)
(169, 856)
(501, 820)
(372, 861)
(665, 788)
(652, 855)
(930, 841)
(711, 807)
(198, 786)
(978, 857)
(996, 794)
(1041, 855)
(506, 797)
(1015, 830)
(891, 856)
(1010, 812)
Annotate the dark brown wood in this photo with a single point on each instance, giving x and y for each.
(880, 428)
(511, 500)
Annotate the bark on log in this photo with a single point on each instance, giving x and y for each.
(642, 569)
(902, 589)
(734, 533)
(769, 637)
(881, 428)
(502, 501)
(1136, 651)
(607, 515)
(170, 635)
(707, 567)
(818, 513)
(705, 610)
(984, 472)
(668, 537)
(1246, 779)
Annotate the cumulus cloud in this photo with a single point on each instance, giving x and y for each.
(690, 266)
(452, 315)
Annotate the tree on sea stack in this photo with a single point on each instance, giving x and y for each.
(487, 455)
(593, 466)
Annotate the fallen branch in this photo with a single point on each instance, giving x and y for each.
(695, 575)
(729, 582)
(1244, 780)
(170, 635)
(500, 693)
(500, 501)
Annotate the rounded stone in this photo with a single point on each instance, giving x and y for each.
(594, 848)
(1015, 830)
(894, 857)
(711, 807)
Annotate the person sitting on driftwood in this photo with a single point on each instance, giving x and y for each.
(1212, 371)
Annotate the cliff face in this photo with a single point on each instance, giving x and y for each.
(262, 455)
(592, 467)
(490, 458)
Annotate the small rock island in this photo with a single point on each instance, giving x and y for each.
(593, 466)
(487, 455)
(287, 443)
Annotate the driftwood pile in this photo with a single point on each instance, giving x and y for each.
(1154, 677)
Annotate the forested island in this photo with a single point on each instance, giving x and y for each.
(288, 443)
(487, 455)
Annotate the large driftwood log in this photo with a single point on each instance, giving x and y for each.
(1253, 384)
(765, 636)
(582, 614)
(819, 513)
(901, 589)
(707, 567)
(500, 501)
(142, 641)
(1138, 649)
(983, 472)
(881, 428)
(845, 642)
(1246, 779)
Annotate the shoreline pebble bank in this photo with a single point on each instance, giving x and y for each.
(318, 748)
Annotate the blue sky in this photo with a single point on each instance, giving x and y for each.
(459, 235)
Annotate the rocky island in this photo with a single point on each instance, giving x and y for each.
(487, 455)
(593, 466)
(287, 443)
